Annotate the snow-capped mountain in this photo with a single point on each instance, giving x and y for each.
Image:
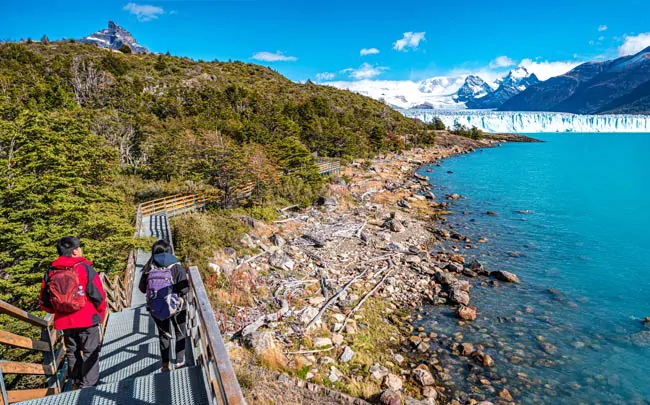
(443, 92)
(113, 38)
(516, 81)
(473, 88)
(516, 121)
(615, 86)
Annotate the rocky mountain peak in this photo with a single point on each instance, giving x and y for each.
(114, 37)
(473, 88)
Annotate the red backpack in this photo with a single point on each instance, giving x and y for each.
(66, 293)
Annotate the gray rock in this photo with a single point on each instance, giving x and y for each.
(430, 393)
(261, 342)
(277, 240)
(458, 296)
(247, 241)
(475, 265)
(395, 225)
(423, 376)
(445, 279)
(328, 202)
(413, 401)
(308, 314)
(321, 342)
(404, 204)
(347, 355)
(378, 372)
(396, 247)
(454, 267)
(469, 273)
(281, 261)
(335, 374)
(392, 382)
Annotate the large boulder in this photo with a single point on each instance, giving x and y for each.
(267, 348)
(505, 276)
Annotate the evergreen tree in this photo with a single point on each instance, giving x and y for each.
(55, 180)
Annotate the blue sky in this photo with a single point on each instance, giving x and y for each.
(303, 39)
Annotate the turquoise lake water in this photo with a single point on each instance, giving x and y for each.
(586, 236)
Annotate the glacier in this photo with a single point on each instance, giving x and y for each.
(532, 122)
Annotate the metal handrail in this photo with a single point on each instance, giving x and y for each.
(210, 352)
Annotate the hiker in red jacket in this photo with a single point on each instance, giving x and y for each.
(73, 292)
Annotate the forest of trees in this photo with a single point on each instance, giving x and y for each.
(85, 133)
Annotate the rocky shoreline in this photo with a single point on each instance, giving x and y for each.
(336, 288)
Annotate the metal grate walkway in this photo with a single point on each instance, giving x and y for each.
(129, 362)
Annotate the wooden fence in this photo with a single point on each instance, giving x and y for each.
(50, 345)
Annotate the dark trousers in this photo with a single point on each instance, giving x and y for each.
(178, 323)
(82, 352)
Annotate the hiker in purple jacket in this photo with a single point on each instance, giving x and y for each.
(164, 281)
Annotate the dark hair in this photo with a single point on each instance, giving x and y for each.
(161, 246)
(67, 244)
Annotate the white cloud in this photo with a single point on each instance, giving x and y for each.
(144, 12)
(602, 28)
(365, 71)
(545, 70)
(274, 57)
(600, 38)
(325, 76)
(369, 51)
(501, 61)
(409, 40)
(634, 43)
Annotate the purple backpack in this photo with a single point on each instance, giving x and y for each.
(162, 302)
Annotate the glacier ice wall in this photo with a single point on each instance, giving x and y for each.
(531, 122)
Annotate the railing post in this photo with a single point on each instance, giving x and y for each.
(49, 358)
(5, 398)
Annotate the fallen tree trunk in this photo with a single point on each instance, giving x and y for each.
(345, 287)
(369, 294)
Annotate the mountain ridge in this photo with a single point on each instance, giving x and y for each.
(592, 88)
